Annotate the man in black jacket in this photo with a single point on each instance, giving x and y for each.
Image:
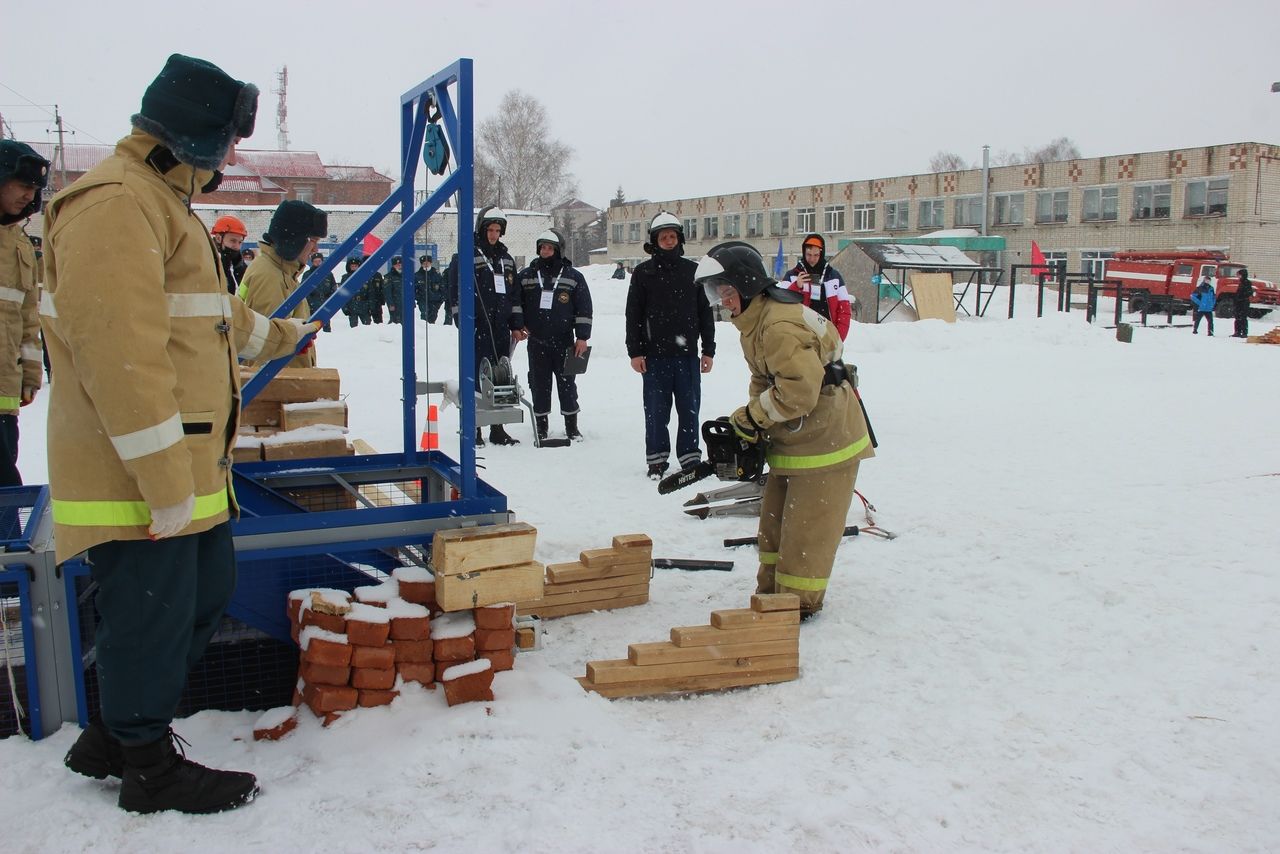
(1242, 297)
(323, 289)
(666, 315)
(494, 272)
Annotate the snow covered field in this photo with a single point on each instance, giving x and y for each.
(1070, 647)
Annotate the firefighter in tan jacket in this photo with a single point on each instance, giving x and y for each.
(803, 403)
(292, 236)
(23, 174)
(145, 338)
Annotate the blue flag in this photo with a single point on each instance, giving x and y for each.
(778, 262)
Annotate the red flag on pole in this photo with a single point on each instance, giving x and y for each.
(372, 243)
(1037, 260)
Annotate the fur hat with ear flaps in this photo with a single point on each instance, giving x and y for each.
(292, 224)
(197, 110)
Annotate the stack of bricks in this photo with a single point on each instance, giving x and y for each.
(749, 646)
(1272, 337)
(296, 416)
(469, 647)
(601, 580)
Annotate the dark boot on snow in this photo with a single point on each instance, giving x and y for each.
(499, 436)
(540, 425)
(157, 777)
(479, 438)
(96, 753)
(571, 426)
(657, 470)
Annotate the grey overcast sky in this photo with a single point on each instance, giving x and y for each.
(672, 100)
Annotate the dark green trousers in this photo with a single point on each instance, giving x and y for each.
(158, 605)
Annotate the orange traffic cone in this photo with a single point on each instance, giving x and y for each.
(430, 440)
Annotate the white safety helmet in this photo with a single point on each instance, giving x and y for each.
(665, 220)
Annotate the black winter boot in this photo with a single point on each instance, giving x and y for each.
(96, 753)
(540, 424)
(479, 438)
(157, 777)
(499, 436)
(571, 426)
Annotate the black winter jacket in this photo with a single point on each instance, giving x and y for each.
(568, 312)
(667, 311)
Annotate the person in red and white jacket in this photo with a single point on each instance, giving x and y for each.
(821, 285)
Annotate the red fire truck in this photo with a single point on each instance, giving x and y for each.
(1157, 281)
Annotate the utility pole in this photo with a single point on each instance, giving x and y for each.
(282, 109)
(60, 153)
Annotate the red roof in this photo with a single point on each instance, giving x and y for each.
(281, 164)
(79, 158)
(357, 173)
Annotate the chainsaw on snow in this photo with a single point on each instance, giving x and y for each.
(729, 457)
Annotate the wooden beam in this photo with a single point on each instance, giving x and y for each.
(665, 652)
(305, 414)
(622, 670)
(299, 385)
(710, 635)
(460, 550)
(690, 684)
(601, 558)
(605, 583)
(461, 591)
(765, 602)
(741, 618)
(602, 595)
(632, 541)
(563, 573)
(548, 612)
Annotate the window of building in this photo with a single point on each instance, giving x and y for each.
(633, 232)
(1056, 261)
(806, 220)
(1101, 204)
(931, 214)
(616, 231)
(1051, 206)
(710, 227)
(1207, 198)
(304, 192)
(833, 218)
(755, 225)
(864, 217)
(1094, 262)
(1152, 201)
(1009, 208)
(778, 222)
(732, 225)
(690, 228)
(968, 211)
(896, 215)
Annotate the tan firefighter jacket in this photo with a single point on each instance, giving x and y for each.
(810, 426)
(266, 284)
(20, 338)
(144, 340)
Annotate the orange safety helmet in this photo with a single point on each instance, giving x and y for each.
(229, 225)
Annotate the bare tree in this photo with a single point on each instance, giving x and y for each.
(1061, 148)
(946, 161)
(518, 163)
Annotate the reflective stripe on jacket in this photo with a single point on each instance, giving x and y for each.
(144, 338)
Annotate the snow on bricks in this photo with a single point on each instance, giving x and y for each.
(275, 724)
(749, 646)
(469, 682)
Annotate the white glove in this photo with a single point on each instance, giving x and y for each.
(168, 521)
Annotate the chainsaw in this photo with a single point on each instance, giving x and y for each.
(729, 457)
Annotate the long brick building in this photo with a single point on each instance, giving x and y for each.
(1223, 197)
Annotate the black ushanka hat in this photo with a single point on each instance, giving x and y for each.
(197, 110)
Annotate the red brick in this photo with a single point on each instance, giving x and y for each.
(295, 632)
(411, 628)
(330, 717)
(454, 649)
(416, 651)
(276, 732)
(328, 622)
(412, 671)
(476, 687)
(323, 699)
(489, 640)
(418, 592)
(361, 633)
(294, 606)
(320, 651)
(501, 659)
(495, 617)
(324, 674)
(380, 657)
(369, 677)
(370, 698)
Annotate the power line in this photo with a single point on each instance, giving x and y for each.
(52, 115)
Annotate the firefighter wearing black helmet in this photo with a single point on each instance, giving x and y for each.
(553, 312)
(355, 306)
(802, 402)
(495, 281)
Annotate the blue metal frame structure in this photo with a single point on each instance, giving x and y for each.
(415, 105)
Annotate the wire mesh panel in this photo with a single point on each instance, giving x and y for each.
(14, 699)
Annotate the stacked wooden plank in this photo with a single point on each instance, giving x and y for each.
(296, 416)
(485, 565)
(601, 580)
(1272, 337)
(748, 646)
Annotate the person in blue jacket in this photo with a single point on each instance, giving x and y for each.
(1203, 299)
(553, 313)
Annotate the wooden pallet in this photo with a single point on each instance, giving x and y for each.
(600, 580)
(749, 646)
(1272, 337)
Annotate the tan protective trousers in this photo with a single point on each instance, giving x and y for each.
(802, 520)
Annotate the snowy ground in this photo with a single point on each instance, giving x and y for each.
(1070, 647)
